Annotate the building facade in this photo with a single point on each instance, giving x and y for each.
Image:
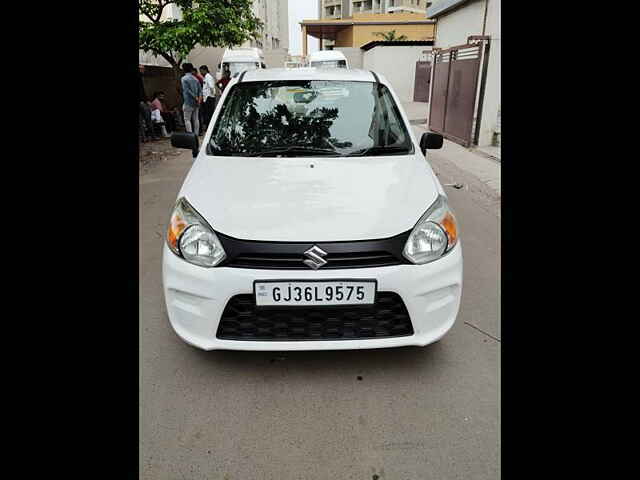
(336, 9)
(361, 28)
(274, 15)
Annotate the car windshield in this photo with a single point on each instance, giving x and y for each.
(238, 67)
(344, 118)
(330, 64)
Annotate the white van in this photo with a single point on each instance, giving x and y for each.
(293, 64)
(328, 59)
(240, 59)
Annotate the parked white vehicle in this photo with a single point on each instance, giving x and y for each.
(311, 220)
(328, 59)
(237, 60)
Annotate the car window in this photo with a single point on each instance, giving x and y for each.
(341, 117)
(238, 67)
(330, 64)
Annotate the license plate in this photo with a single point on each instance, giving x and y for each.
(301, 293)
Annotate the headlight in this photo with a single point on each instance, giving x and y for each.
(434, 235)
(190, 237)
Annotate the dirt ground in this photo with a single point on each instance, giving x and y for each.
(154, 152)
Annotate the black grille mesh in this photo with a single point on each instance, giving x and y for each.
(291, 255)
(296, 262)
(387, 317)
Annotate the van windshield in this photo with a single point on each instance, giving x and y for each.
(315, 118)
(330, 64)
(239, 67)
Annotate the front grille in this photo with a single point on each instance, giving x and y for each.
(290, 255)
(387, 317)
(336, 260)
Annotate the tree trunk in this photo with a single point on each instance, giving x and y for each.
(177, 73)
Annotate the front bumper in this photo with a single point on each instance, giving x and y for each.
(196, 297)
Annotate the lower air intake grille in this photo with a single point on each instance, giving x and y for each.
(388, 317)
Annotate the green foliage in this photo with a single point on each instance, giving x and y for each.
(209, 23)
(391, 36)
(244, 130)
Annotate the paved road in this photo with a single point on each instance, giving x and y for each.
(409, 413)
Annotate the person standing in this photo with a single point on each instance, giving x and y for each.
(191, 98)
(201, 109)
(208, 95)
(198, 76)
(223, 82)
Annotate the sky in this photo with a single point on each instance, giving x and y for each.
(301, 10)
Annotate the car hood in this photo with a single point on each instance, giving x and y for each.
(311, 199)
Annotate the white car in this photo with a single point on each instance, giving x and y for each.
(310, 220)
(328, 59)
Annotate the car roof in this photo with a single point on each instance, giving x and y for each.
(242, 54)
(242, 59)
(310, 73)
(229, 52)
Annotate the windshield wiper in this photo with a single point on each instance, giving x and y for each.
(215, 150)
(379, 149)
(296, 150)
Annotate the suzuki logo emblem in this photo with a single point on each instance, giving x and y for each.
(315, 259)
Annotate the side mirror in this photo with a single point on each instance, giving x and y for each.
(430, 141)
(185, 140)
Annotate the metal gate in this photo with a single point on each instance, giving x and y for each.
(422, 85)
(453, 101)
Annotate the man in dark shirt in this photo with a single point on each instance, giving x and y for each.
(226, 78)
(201, 109)
(208, 96)
(224, 81)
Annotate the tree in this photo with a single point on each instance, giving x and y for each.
(391, 36)
(209, 23)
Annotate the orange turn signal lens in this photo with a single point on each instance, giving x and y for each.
(450, 226)
(177, 225)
